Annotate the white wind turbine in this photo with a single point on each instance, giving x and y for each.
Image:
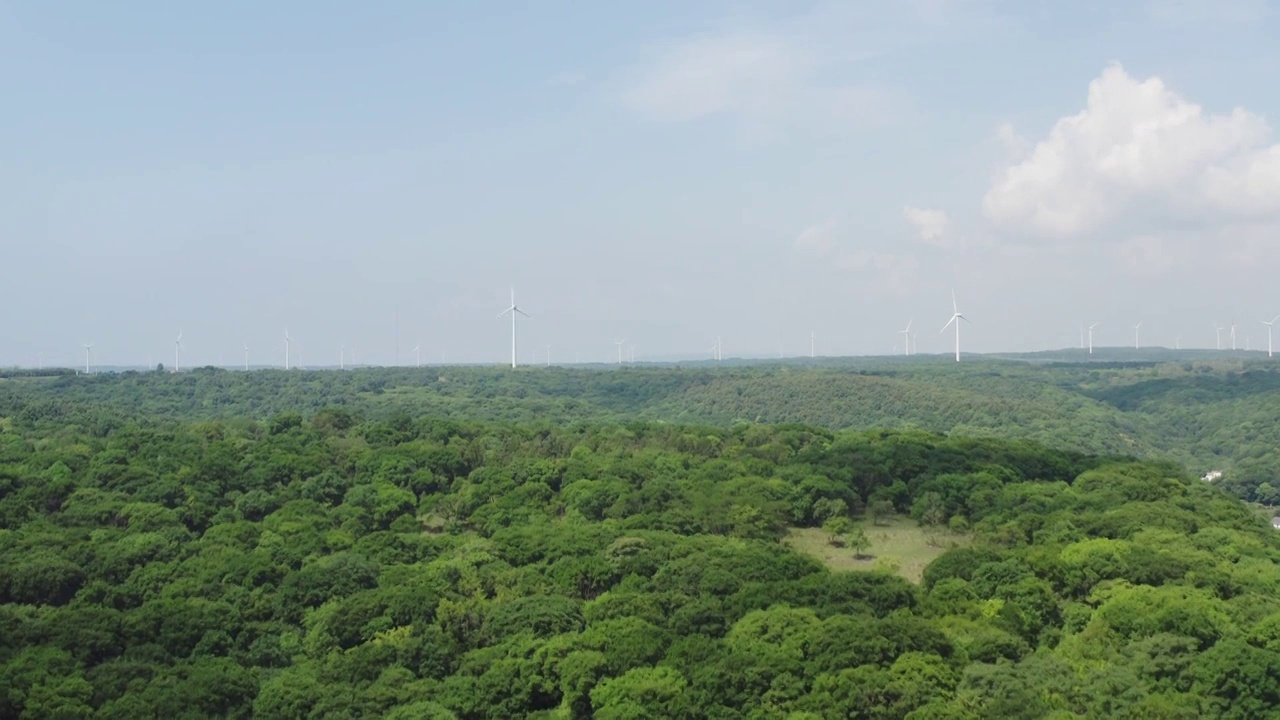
(906, 338)
(1135, 334)
(342, 357)
(177, 351)
(1091, 329)
(514, 310)
(88, 347)
(956, 317)
(287, 342)
(812, 345)
(1269, 325)
(1218, 330)
(1233, 335)
(620, 343)
(246, 357)
(417, 355)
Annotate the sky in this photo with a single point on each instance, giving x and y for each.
(662, 172)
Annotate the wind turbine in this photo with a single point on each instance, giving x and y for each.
(906, 338)
(1135, 334)
(287, 341)
(812, 345)
(514, 310)
(417, 355)
(956, 317)
(246, 357)
(177, 349)
(1269, 324)
(1091, 329)
(1218, 330)
(87, 348)
(619, 343)
(342, 357)
(1233, 335)
(548, 356)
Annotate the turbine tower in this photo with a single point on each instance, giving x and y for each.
(619, 343)
(246, 357)
(177, 350)
(906, 338)
(342, 357)
(1091, 329)
(1269, 324)
(956, 317)
(417, 355)
(88, 347)
(514, 310)
(287, 341)
(1135, 334)
(1233, 335)
(1218, 329)
(812, 345)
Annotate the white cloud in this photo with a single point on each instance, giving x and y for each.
(1148, 254)
(930, 225)
(892, 273)
(1138, 154)
(818, 239)
(770, 80)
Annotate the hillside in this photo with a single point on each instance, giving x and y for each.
(1206, 414)
(325, 566)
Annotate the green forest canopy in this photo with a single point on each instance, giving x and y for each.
(1210, 413)
(163, 556)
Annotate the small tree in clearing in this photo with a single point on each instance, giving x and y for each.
(836, 528)
(858, 541)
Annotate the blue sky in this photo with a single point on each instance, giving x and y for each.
(667, 172)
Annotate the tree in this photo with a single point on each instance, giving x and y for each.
(858, 540)
(836, 529)
(880, 512)
(1267, 494)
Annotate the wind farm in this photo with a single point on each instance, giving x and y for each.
(625, 350)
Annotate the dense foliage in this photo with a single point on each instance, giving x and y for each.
(1211, 413)
(333, 564)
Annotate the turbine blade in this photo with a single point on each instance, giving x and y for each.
(944, 327)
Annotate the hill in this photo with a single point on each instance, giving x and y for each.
(1212, 413)
(326, 566)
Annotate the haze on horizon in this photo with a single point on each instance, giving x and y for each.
(664, 172)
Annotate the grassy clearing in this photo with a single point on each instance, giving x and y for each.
(901, 545)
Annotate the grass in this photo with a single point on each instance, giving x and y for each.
(901, 545)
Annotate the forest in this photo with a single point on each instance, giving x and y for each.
(554, 543)
(1204, 410)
